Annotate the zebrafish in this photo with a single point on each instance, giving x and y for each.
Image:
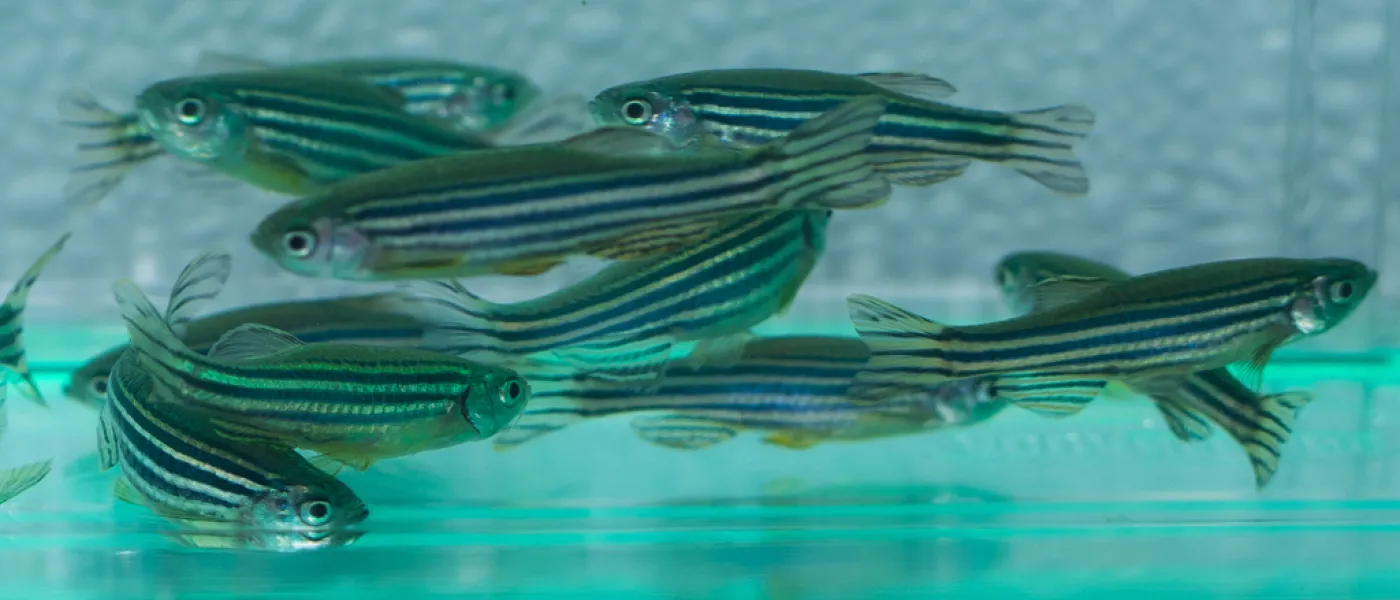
(287, 132)
(745, 272)
(1149, 332)
(1260, 424)
(12, 358)
(370, 319)
(218, 492)
(792, 388)
(920, 141)
(355, 404)
(612, 193)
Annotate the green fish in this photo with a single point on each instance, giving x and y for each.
(12, 356)
(242, 494)
(371, 319)
(287, 132)
(1149, 332)
(1260, 424)
(354, 404)
(17, 480)
(612, 193)
(794, 389)
(748, 270)
(920, 141)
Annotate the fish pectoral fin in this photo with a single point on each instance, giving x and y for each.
(721, 351)
(1063, 291)
(621, 141)
(122, 491)
(653, 242)
(1052, 396)
(1251, 371)
(529, 267)
(16, 481)
(794, 440)
(253, 341)
(914, 85)
(1187, 424)
(211, 62)
(345, 457)
(1270, 430)
(327, 465)
(681, 432)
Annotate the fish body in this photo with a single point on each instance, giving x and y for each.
(919, 141)
(356, 404)
(611, 193)
(746, 271)
(1149, 332)
(1261, 424)
(363, 320)
(792, 388)
(248, 495)
(12, 354)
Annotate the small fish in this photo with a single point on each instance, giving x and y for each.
(920, 141)
(745, 272)
(792, 388)
(367, 320)
(12, 357)
(355, 404)
(612, 193)
(1260, 424)
(223, 492)
(285, 132)
(1149, 332)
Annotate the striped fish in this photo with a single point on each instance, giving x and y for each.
(746, 271)
(12, 358)
(368, 319)
(612, 193)
(792, 388)
(1260, 424)
(1149, 332)
(920, 141)
(219, 492)
(355, 404)
(17, 480)
(288, 132)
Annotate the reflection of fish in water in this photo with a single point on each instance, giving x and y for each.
(793, 388)
(1260, 424)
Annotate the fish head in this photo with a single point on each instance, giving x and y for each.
(88, 385)
(488, 101)
(1013, 274)
(310, 244)
(304, 517)
(194, 119)
(652, 107)
(494, 400)
(1335, 289)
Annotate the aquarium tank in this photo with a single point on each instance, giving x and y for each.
(709, 299)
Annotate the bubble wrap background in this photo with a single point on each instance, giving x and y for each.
(1225, 129)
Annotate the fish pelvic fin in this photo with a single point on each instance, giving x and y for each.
(110, 146)
(14, 358)
(1045, 152)
(825, 159)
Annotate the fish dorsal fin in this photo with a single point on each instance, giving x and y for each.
(682, 432)
(621, 141)
(121, 488)
(718, 351)
(1063, 291)
(253, 341)
(198, 284)
(915, 85)
(210, 61)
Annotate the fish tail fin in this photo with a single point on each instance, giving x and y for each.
(1045, 152)
(13, 358)
(14, 482)
(895, 337)
(1272, 427)
(455, 321)
(198, 284)
(825, 159)
(110, 146)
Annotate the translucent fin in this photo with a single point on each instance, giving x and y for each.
(122, 491)
(533, 425)
(151, 338)
(1046, 153)
(210, 62)
(16, 481)
(632, 363)
(529, 267)
(876, 320)
(454, 320)
(546, 120)
(653, 242)
(620, 141)
(108, 445)
(914, 85)
(15, 358)
(681, 432)
(795, 440)
(1187, 424)
(326, 464)
(719, 351)
(1063, 291)
(1053, 396)
(826, 161)
(110, 146)
(251, 342)
(919, 169)
(199, 283)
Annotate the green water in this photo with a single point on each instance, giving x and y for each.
(1106, 505)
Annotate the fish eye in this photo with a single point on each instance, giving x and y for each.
(636, 111)
(190, 111)
(1342, 291)
(98, 385)
(315, 513)
(513, 391)
(299, 243)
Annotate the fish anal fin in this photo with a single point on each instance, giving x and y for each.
(1272, 429)
(1053, 396)
(1187, 424)
(681, 432)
